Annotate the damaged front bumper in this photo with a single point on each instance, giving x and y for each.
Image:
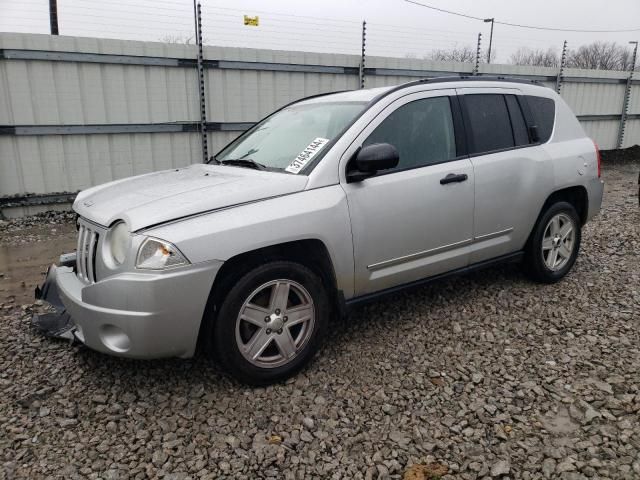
(133, 314)
(56, 324)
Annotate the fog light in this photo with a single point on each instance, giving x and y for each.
(114, 338)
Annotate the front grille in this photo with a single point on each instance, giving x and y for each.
(86, 253)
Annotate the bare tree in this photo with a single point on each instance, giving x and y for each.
(599, 56)
(538, 57)
(595, 56)
(625, 59)
(455, 54)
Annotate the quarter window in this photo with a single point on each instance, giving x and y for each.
(543, 110)
(422, 132)
(490, 123)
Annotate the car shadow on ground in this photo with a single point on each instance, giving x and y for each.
(449, 290)
(396, 311)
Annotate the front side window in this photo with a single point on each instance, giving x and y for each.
(292, 138)
(489, 122)
(422, 132)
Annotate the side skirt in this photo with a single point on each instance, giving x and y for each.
(375, 296)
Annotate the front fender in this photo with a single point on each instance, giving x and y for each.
(320, 214)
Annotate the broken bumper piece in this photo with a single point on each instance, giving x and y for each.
(57, 324)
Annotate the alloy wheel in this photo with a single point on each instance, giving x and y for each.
(558, 241)
(275, 323)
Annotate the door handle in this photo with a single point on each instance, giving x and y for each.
(453, 177)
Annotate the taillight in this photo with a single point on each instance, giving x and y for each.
(599, 157)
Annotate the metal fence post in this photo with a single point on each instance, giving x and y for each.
(627, 96)
(362, 52)
(476, 68)
(563, 60)
(53, 16)
(203, 105)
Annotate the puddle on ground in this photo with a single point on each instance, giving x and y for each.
(22, 266)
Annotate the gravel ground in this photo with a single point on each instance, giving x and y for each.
(44, 226)
(483, 376)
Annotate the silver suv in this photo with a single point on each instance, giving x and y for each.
(329, 202)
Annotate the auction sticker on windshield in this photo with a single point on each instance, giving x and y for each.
(307, 154)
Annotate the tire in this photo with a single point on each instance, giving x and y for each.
(258, 339)
(561, 245)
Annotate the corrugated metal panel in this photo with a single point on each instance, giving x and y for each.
(604, 132)
(246, 96)
(55, 93)
(373, 81)
(417, 64)
(594, 98)
(218, 140)
(59, 93)
(45, 92)
(634, 101)
(632, 133)
(68, 163)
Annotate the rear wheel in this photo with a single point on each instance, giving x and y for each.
(270, 323)
(553, 247)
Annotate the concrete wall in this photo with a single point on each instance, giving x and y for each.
(140, 102)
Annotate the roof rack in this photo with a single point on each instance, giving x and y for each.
(463, 78)
(477, 78)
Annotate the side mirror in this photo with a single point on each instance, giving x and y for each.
(372, 158)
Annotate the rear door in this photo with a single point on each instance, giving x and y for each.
(510, 170)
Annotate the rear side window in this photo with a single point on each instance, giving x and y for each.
(520, 134)
(543, 111)
(422, 131)
(490, 123)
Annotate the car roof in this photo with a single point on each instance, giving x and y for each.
(372, 94)
(364, 95)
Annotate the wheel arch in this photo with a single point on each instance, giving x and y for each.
(575, 195)
(311, 252)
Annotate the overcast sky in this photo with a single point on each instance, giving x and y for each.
(395, 27)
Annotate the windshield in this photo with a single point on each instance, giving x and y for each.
(292, 137)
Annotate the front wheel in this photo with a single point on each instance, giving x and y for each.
(271, 322)
(554, 244)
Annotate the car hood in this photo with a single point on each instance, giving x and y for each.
(159, 197)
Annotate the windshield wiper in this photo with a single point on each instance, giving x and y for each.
(244, 162)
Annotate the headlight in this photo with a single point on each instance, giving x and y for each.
(155, 254)
(119, 239)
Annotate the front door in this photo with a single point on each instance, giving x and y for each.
(412, 222)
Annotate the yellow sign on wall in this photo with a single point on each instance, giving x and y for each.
(251, 21)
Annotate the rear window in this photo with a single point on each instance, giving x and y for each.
(490, 122)
(543, 111)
